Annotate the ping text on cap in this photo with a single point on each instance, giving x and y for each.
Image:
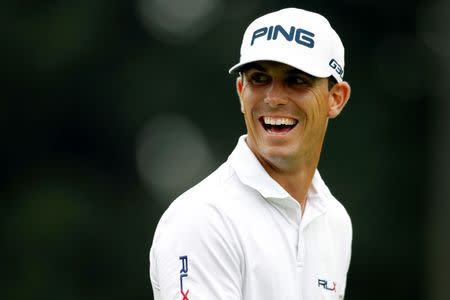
(299, 35)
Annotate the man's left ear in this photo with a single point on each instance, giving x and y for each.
(338, 97)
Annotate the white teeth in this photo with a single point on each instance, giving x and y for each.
(279, 121)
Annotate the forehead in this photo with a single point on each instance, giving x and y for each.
(272, 66)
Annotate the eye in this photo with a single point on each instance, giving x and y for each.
(297, 80)
(259, 78)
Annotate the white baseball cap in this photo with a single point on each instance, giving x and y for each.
(302, 39)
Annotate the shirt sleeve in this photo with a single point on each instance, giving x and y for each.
(196, 255)
(348, 256)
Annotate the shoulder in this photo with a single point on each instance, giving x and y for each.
(338, 214)
(340, 223)
(197, 208)
(195, 226)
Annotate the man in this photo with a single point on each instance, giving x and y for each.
(264, 225)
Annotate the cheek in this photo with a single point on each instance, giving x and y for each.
(246, 92)
(248, 99)
(320, 104)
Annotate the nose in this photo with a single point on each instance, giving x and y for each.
(276, 94)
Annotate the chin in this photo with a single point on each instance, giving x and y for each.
(279, 157)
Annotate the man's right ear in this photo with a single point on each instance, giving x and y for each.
(239, 89)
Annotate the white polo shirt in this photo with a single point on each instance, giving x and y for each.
(239, 235)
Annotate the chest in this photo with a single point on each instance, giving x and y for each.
(284, 261)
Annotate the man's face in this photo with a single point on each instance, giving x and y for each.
(286, 113)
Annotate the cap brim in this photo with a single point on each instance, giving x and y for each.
(307, 68)
(236, 68)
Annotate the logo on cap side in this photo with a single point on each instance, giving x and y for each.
(337, 67)
(299, 35)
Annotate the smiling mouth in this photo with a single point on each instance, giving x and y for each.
(277, 125)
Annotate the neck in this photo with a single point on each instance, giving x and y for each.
(295, 182)
(294, 174)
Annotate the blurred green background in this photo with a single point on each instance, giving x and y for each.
(110, 109)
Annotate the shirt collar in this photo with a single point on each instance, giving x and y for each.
(252, 173)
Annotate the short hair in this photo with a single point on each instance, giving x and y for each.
(331, 82)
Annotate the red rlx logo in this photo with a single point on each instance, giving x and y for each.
(183, 274)
(324, 283)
